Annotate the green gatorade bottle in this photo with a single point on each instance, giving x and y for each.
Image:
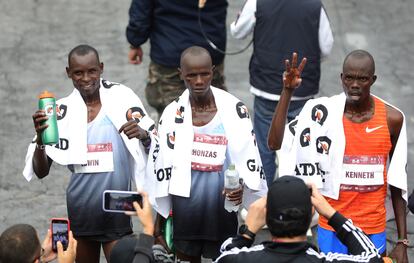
(47, 102)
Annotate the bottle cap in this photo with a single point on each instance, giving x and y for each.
(232, 166)
(46, 94)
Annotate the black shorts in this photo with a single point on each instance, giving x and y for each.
(198, 248)
(104, 238)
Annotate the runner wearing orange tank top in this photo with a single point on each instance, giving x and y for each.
(371, 130)
(366, 154)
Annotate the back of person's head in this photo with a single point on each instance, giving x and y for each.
(289, 207)
(19, 244)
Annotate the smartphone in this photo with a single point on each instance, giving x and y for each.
(60, 228)
(120, 201)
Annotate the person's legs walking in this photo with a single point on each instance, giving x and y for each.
(263, 114)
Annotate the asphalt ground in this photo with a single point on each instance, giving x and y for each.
(36, 35)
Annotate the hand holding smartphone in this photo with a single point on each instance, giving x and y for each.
(120, 201)
(60, 228)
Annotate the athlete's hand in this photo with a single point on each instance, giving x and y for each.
(38, 117)
(235, 196)
(292, 74)
(399, 253)
(133, 130)
(135, 55)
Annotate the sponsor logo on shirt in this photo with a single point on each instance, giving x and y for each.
(319, 114)
(241, 110)
(369, 130)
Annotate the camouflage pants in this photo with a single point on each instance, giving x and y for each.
(164, 85)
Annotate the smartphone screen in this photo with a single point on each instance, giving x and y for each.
(60, 232)
(120, 201)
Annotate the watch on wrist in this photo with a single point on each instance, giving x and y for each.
(244, 230)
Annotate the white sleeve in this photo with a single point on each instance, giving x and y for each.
(325, 34)
(245, 20)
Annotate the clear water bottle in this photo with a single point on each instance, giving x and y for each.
(47, 102)
(231, 182)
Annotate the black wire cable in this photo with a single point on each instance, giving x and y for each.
(213, 46)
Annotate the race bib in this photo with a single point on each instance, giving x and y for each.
(362, 173)
(99, 159)
(209, 152)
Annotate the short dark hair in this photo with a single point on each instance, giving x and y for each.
(194, 51)
(19, 244)
(297, 224)
(82, 50)
(358, 54)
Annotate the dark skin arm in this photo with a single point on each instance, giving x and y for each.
(41, 162)
(394, 121)
(291, 81)
(133, 130)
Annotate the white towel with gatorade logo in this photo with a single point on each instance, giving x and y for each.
(120, 104)
(176, 138)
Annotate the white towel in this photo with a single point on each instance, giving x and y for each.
(291, 153)
(176, 124)
(116, 100)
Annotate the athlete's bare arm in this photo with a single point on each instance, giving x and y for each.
(41, 162)
(291, 81)
(395, 121)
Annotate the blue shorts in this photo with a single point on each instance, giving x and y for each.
(329, 242)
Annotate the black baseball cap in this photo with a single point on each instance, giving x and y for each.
(288, 192)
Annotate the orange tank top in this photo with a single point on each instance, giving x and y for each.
(363, 185)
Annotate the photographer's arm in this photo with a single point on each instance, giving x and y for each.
(358, 244)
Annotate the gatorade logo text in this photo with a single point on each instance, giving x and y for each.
(156, 150)
(309, 169)
(253, 167)
(164, 174)
(63, 144)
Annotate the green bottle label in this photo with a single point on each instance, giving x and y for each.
(50, 135)
(168, 233)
